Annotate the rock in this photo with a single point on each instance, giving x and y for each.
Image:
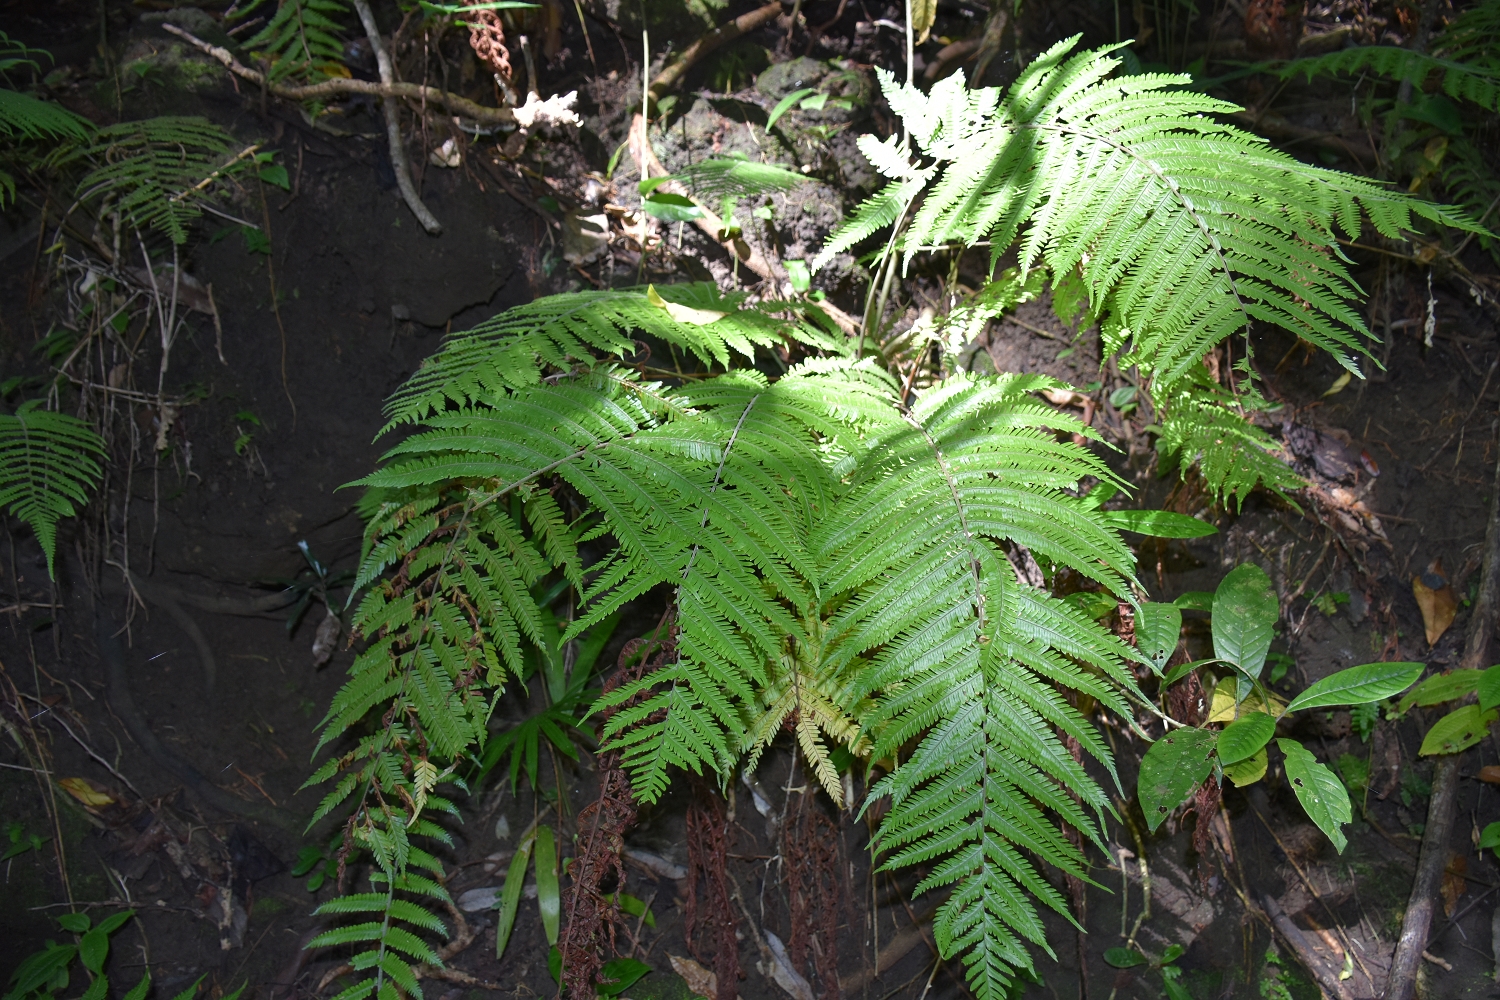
(478, 900)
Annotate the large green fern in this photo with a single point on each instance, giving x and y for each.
(301, 40)
(24, 117)
(837, 552)
(48, 464)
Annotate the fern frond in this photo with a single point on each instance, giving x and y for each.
(717, 178)
(48, 464)
(1192, 229)
(149, 170)
(27, 117)
(301, 40)
(1461, 79)
(1201, 424)
(560, 332)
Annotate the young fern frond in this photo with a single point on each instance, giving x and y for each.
(149, 171)
(1460, 79)
(48, 463)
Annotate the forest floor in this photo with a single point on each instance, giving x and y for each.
(350, 299)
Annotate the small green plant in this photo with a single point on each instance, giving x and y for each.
(318, 864)
(245, 437)
(540, 842)
(1329, 601)
(20, 842)
(1245, 612)
(47, 973)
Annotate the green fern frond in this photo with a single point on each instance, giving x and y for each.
(27, 117)
(150, 170)
(1201, 424)
(48, 464)
(560, 332)
(1192, 229)
(1459, 78)
(723, 177)
(301, 40)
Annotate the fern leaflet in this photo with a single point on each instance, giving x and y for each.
(48, 463)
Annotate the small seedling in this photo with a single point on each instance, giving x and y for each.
(20, 843)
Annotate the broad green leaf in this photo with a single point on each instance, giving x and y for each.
(1490, 837)
(1172, 769)
(635, 907)
(1245, 737)
(1438, 688)
(40, 969)
(671, 207)
(78, 923)
(548, 898)
(1157, 627)
(1158, 523)
(510, 896)
(1359, 685)
(1489, 688)
(619, 975)
(1248, 771)
(1124, 958)
(93, 949)
(1319, 790)
(784, 105)
(1171, 953)
(1245, 615)
(1458, 730)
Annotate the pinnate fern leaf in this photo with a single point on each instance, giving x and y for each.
(48, 466)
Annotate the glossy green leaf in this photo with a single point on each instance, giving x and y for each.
(784, 105)
(1248, 771)
(1489, 688)
(671, 207)
(510, 895)
(1245, 737)
(1245, 614)
(1158, 523)
(1358, 685)
(1489, 837)
(619, 975)
(1458, 730)
(1157, 627)
(548, 898)
(1319, 790)
(1124, 958)
(1172, 770)
(1440, 688)
(1180, 671)
(1171, 953)
(636, 907)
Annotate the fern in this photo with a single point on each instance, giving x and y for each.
(300, 41)
(1459, 79)
(153, 172)
(48, 463)
(837, 553)
(23, 117)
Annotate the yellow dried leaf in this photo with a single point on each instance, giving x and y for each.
(698, 979)
(1439, 604)
(923, 13)
(1338, 384)
(682, 313)
(85, 791)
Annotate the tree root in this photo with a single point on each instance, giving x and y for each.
(672, 75)
(1327, 979)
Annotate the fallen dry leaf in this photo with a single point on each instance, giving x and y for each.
(85, 791)
(1453, 883)
(1436, 599)
(1490, 774)
(698, 979)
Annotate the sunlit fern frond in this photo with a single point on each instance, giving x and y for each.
(301, 41)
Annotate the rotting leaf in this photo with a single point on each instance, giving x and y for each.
(1454, 882)
(85, 791)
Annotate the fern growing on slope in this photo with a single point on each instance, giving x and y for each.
(1183, 230)
(48, 463)
(301, 40)
(27, 118)
(837, 551)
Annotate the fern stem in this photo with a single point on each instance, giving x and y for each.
(718, 476)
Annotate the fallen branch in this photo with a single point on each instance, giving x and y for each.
(1296, 940)
(338, 86)
(672, 75)
(393, 124)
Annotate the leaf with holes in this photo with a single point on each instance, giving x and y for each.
(1439, 688)
(1319, 790)
(1157, 627)
(1172, 769)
